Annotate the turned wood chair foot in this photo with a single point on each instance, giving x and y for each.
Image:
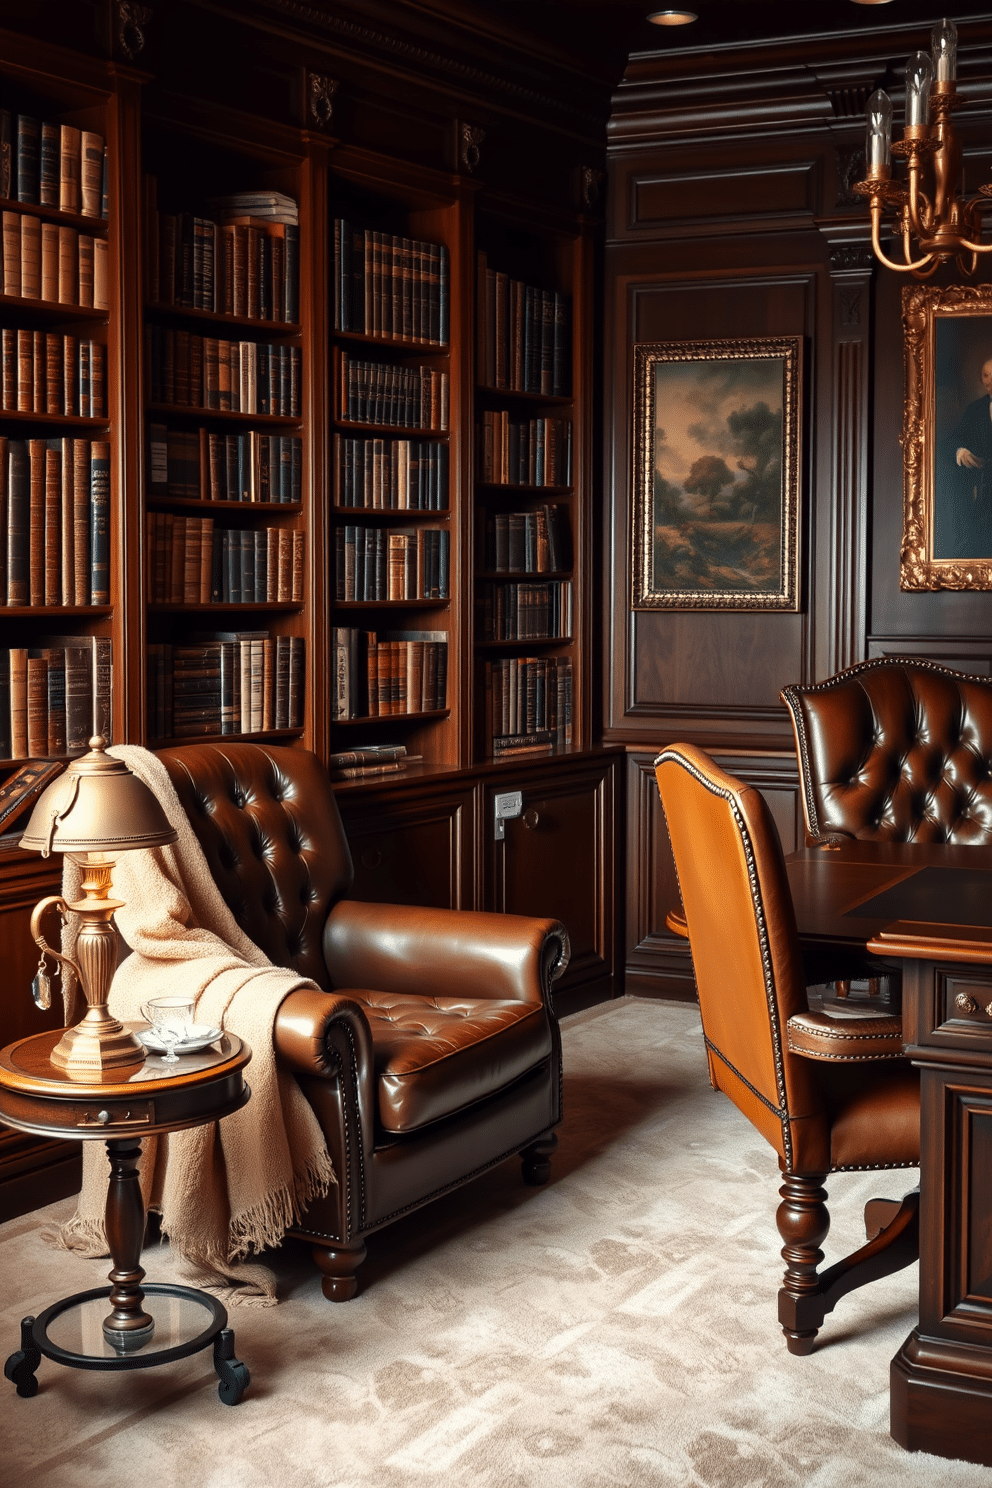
(536, 1160)
(339, 1266)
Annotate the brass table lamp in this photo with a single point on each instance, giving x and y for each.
(94, 812)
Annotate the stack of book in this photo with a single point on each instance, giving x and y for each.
(535, 453)
(60, 265)
(529, 704)
(190, 561)
(523, 342)
(55, 522)
(373, 564)
(54, 695)
(391, 287)
(52, 165)
(225, 682)
(526, 542)
(403, 671)
(190, 371)
(197, 464)
(521, 612)
(44, 372)
(401, 397)
(371, 759)
(391, 474)
(245, 264)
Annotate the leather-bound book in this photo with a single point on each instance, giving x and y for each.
(68, 266)
(30, 258)
(49, 166)
(53, 522)
(81, 521)
(85, 249)
(69, 169)
(12, 254)
(6, 154)
(70, 375)
(101, 274)
(91, 156)
(54, 394)
(28, 157)
(18, 702)
(67, 535)
(25, 371)
(4, 521)
(100, 522)
(55, 702)
(36, 521)
(10, 369)
(50, 262)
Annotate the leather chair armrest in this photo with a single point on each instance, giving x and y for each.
(443, 952)
(845, 1040)
(829, 841)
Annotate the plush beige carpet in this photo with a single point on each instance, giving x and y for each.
(615, 1328)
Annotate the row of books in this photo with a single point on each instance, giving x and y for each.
(190, 561)
(401, 672)
(521, 612)
(196, 464)
(371, 759)
(52, 165)
(60, 265)
(403, 397)
(54, 522)
(54, 695)
(538, 541)
(190, 371)
(389, 286)
(375, 563)
(537, 452)
(529, 704)
(242, 265)
(391, 474)
(44, 372)
(225, 682)
(524, 334)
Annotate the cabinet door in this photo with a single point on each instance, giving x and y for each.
(412, 850)
(558, 858)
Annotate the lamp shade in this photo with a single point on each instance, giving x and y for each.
(98, 805)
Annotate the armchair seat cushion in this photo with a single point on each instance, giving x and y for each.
(434, 1056)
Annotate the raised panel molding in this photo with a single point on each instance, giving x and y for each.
(962, 653)
(723, 196)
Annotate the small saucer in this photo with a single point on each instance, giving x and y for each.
(201, 1037)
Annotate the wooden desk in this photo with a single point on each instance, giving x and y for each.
(941, 1378)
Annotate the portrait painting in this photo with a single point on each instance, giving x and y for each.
(716, 509)
(947, 438)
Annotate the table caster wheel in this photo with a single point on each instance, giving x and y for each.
(234, 1376)
(21, 1365)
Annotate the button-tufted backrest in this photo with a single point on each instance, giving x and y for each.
(896, 748)
(269, 826)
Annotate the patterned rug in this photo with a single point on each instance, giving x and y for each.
(616, 1329)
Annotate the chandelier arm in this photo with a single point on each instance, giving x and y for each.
(876, 214)
(975, 247)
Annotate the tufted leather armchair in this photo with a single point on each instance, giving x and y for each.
(432, 1051)
(829, 1094)
(895, 748)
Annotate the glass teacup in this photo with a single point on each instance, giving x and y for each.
(172, 1020)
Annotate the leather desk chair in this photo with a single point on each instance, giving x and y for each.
(896, 749)
(829, 1096)
(432, 1052)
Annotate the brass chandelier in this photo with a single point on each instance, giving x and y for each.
(925, 206)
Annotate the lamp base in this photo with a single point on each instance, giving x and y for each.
(90, 1049)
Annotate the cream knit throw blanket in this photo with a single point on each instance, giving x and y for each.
(232, 1186)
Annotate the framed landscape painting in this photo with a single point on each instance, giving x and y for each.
(716, 474)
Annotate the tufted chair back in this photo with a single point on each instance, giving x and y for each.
(269, 825)
(896, 748)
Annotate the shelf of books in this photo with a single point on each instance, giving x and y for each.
(531, 488)
(399, 257)
(57, 589)
(226, 473)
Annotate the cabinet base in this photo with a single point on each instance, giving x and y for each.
(941, 1399)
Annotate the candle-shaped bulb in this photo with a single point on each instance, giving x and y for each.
(919, 80)
(944, 41)
(878, 141)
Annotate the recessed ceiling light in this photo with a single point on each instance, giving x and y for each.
(870, 2)
(672, 17)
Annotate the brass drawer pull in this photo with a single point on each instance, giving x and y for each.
(138, 1116)
(965, 1003)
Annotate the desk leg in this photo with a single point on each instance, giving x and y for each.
(127, 1326)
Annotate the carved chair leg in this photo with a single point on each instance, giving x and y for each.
(536, 1160)
(339, 1265)
(803, 1223)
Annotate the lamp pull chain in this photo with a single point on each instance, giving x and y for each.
(41, 986)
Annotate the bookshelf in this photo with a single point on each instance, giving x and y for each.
(60, 465)
(531, 477)
(226, 483)
(399, 334)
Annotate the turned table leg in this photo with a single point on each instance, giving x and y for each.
(127, 1326)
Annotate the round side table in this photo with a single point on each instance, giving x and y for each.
(144, 1326)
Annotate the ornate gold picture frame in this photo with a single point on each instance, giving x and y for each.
(716, 474)
(947, 438)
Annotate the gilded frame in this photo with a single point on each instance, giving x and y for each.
(947, 335)
(743, 552)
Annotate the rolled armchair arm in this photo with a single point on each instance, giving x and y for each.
(443, 952)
